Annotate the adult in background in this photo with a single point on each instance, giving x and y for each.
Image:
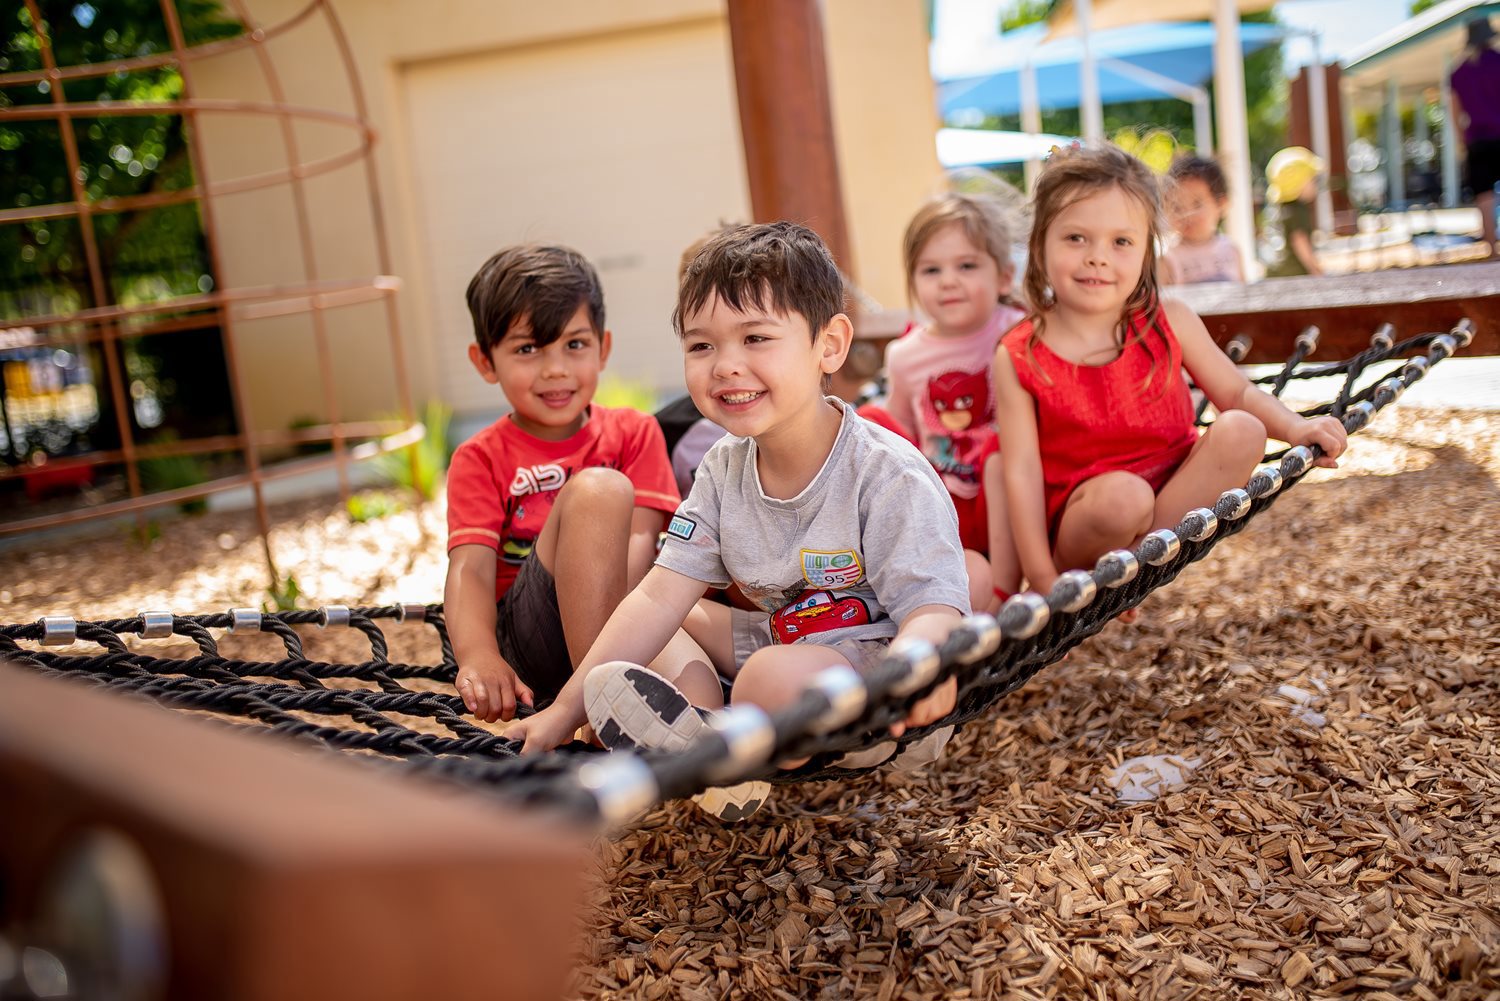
(1476, 105)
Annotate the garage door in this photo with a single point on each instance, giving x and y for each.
(625, 147)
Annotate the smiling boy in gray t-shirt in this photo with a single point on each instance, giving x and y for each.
(840, 564)
(837, 530)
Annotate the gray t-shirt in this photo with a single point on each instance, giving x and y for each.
(872, 538)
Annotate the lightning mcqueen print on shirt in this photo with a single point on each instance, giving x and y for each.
(817, 612)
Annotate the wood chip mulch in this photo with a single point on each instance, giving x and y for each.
(1325, 682)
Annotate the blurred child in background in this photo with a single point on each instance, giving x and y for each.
(1476, 99)
(1197, 196)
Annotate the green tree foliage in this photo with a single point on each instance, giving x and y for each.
(148, 254)
(1024, 12)
(145, 255)
(1417, 6)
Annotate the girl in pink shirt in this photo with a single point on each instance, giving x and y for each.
(960, 274)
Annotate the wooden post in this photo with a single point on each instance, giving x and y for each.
(1300, 133)
(270, 870)
(786, 124)
(786, 117)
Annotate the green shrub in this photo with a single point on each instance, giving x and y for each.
(420, 467)
(283, 594)
(173, 472)
(614, 391)
(369, 505)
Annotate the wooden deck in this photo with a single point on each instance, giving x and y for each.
(254, 869)
(1347, 309)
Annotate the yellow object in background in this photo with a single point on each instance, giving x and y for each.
(1289, 172)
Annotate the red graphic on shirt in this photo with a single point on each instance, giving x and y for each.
(961, 399)
(818, 612)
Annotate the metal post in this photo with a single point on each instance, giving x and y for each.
(1031, 118)
(110, 341)
(1090, 108)
(1450, 138)
(786, 117)
(1317, 100)
(1395, 167)
(1233, 132)
(1203, 123)
(211, 244)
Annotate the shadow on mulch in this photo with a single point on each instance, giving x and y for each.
(1329, 675)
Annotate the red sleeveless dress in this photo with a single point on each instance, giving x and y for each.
(1093, 419)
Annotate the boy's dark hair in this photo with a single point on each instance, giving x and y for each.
(542, 285)
(779, 267)
(1206, 170)
(691, 250)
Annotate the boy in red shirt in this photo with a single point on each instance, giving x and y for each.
(554, 510)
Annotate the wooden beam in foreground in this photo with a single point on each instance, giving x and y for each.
(283, 872)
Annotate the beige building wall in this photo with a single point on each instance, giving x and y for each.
(612, 127)
(885, 120)
(600, 143)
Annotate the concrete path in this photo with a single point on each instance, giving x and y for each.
(1455, 384)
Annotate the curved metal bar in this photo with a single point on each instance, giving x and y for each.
(377, 286)
(105, 322)
(368, 450)
(112, 109)
(222, 46)
(315, 435)
(158, 199)
(305, 239)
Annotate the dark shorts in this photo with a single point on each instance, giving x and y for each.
(529, 630)
(1483, 166)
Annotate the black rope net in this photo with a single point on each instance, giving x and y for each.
(354, 707)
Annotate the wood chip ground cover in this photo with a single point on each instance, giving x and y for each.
(1327, 678)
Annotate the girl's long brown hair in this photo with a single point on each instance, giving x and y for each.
(1076, 173)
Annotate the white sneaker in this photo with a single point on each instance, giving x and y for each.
(867, 757)
(921, 753)
(734, 803)
(630, 706)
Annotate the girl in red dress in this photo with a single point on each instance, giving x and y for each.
(1094, 415)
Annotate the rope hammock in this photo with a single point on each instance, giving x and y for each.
(839, 712)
